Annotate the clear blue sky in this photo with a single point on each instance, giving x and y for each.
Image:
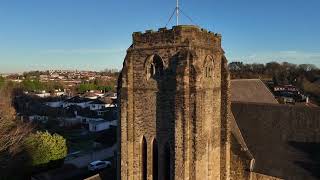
(94, 34)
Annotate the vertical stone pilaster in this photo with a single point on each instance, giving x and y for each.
(225, 116)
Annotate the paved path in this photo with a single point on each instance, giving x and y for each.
(85, 159)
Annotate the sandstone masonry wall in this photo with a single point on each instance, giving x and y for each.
(173, 90)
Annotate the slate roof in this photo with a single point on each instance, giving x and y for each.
(238, 135)
(97, 101)
(251, 90)
(284, 140)
(77, 99)
(94, 122)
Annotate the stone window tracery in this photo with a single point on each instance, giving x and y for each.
(208, 67)
(155, 67)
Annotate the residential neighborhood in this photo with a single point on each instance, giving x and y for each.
(80, 106)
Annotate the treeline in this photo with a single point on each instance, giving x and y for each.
(36, 74)
(302, 76)
(36, 85)
(84, 87)
(97, 84)
(280, 73)
(110, 72)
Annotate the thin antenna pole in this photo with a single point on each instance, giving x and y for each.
(177, 11)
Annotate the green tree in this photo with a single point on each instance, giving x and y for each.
(84, 87)
(32, 85)
(2, 80)
(53, 85)
(42, 147)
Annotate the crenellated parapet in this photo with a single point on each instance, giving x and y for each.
(182, 35)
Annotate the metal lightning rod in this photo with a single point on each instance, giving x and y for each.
(177, 12)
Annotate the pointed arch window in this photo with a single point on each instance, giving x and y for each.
(208, 67)
(155, 159)
(154, 67)
(167, 161)
(144, 159)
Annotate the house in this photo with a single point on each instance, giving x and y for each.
(90, 95)
(96, 126)
(55, 104)
(58, 92)
(38, 118)
(17, 80)
(77, 101)
(86, 115)
(86, 119)
(98, 93)
(288, 88)
(255, 91)
(289, 94)
(94, 94)
(43, 94)
(110, 101)
(287, 100)
(69, 121)
(43, 77)
(97, 105)
(101, 112)
(111, 95)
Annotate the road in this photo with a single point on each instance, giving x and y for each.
(85, 159)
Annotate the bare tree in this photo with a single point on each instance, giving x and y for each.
(12, 131)
(307, 67)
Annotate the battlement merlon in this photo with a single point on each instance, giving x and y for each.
(178, 35)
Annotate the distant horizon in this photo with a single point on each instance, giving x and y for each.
(44, 70)
(119, 69)
(94, 35)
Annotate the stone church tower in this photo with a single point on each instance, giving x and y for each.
(173, 94)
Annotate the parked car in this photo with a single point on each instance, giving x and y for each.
(97, 165)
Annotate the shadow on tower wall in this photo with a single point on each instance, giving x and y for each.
(165, 121)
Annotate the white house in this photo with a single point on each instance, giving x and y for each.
(38, 118)
(58, 92)
(86, 120)
(91, 96)
(97, 93)
(43, 94)
(96, 126)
